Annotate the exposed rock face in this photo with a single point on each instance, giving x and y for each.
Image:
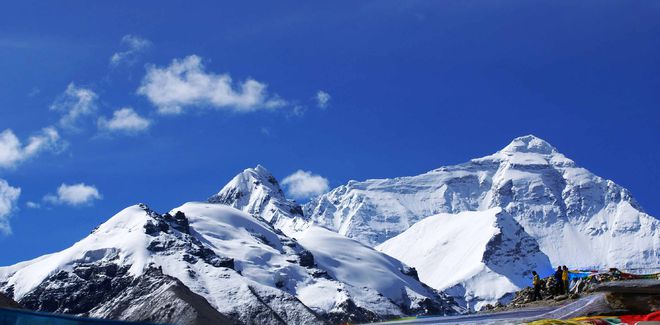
(6, 302)
(105, 290)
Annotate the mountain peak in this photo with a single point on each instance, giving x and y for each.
(251, 180)
(257, 192)
(529, 144)
(528, 150)
(260, 170)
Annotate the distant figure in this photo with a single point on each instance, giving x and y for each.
(559, 284)
(564, 279)
(537, 287)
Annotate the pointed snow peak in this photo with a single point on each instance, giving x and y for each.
(257, 192)
(247, 183)
(529, 144)
(257, 177)
(261, 170)
(528, 150)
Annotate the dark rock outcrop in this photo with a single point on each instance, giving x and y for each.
(108, 291)
(410, 271)
(6, 302)
(306, 258)
(349, 312)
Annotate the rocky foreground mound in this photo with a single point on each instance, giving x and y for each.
(623, 293)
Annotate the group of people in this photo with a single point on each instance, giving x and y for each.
(561, 285)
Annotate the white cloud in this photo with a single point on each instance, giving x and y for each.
(135, 45)
(303, 184)
(74, 103)
(8, 197)
(124, 120)
(299, 110)
(32, 205)
(74, 195)
(322, 99)
(13, 152)
(185, 84)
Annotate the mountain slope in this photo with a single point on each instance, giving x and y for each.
(257, 192)
(312, 269)
(479, 256)
(578, 218)
(209, 254)
(123, 252)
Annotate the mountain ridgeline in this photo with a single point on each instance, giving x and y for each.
(210, 263)
(444, 242)
(576, 218)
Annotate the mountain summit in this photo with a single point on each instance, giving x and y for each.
(529, 144)
(528, 150)
(257, 192)
(578, 219)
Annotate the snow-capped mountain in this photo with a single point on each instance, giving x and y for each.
(479, 256)
(209, 263)
(249, 255)
(577, 218)
(257, 192)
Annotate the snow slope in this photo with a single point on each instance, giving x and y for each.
(360, 267)
(387, 292)
(239, 263)
(479, 256)
(139, 240)
(579, 219)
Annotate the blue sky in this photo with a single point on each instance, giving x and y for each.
(412, 86)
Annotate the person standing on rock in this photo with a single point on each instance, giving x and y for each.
(536, 281)
(559, 284)
(564, 279)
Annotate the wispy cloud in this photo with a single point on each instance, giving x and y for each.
(124, 120)
(134, 46)
(74, 195)
(13, 152)
(185, 84)
(304, 184)
(298, 110)
(75, 103)
(32, 205)
(322, 99)
(8, 197)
